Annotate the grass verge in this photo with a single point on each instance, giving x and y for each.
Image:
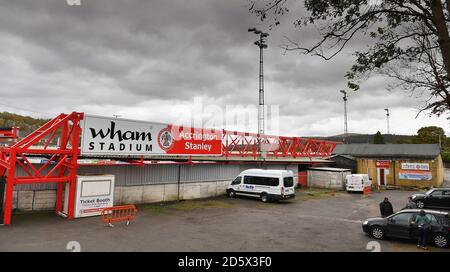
(185, 205)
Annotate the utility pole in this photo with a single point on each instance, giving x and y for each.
(345, 115)
(261, 43)
(387, 118)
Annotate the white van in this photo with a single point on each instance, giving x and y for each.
(357, 182)
(267, 185)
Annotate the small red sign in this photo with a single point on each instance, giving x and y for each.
(382, 164)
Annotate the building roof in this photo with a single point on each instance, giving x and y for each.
(329, 169)
(428, 151)
(348, 157)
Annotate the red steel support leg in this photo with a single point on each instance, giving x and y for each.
(71, 204)
(59, 197)
(60, 186)
(9, 190)
(73, 171)
(8, 202)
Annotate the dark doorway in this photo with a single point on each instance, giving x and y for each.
(382, 181)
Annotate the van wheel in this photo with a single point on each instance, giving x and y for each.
(231, 193)
(440, 240)
(377, 232)
(264, 198)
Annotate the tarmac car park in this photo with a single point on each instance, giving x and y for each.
(315, 220)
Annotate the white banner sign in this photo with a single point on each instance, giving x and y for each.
(114, 136)
(415, 175)
(416, 166)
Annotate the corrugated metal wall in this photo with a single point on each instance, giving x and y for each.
(132, 175)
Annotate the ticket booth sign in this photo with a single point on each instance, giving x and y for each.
(382, 164)
(93, 194)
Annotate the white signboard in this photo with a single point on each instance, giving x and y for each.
(114, 136)
(416, 166)
(93, 194)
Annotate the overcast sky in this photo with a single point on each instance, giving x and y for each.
(156, 60)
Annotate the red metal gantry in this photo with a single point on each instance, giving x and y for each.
(61, 168)
(242, 144)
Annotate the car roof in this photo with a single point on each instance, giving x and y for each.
(426, 211)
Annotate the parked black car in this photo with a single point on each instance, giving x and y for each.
(435, 198)
(402, 225)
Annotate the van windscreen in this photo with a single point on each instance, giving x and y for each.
(288, 182)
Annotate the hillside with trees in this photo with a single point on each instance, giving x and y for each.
(26, 124)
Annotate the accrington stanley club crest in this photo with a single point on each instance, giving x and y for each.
(165, 139)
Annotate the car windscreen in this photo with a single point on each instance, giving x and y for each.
(429, 191)
(288, 181)
(236, 181)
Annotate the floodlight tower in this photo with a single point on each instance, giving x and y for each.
(345, 98)
(261, 43)
(387, 119)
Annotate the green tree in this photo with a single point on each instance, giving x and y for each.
(430, 135)
(408, 41)
(378, 138)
